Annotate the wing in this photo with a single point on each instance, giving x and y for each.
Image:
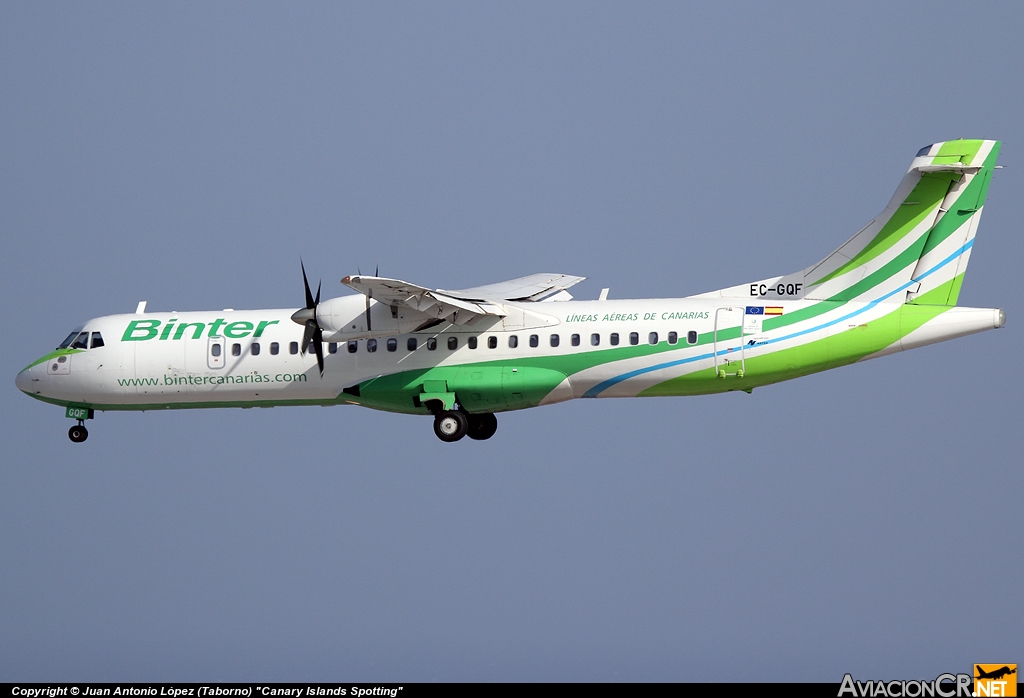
(535, 287)
(434, 304)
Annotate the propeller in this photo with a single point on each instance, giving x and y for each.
(307, 317)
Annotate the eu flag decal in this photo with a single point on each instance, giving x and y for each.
(752, 319)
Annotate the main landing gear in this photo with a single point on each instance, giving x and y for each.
(78, 433)
(452, 425)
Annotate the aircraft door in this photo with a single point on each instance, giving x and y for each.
(512, 386)
(729, 341)
(215, 352)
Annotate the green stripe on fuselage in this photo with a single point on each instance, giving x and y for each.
(840, 349)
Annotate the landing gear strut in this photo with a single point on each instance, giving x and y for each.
(78, 433)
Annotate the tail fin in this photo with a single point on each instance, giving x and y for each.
(916, 250)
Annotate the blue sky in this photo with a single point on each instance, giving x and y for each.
(860, 520)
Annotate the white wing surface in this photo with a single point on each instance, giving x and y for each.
(535, 287)
(434, 304)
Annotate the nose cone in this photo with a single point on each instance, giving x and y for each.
(24, 380)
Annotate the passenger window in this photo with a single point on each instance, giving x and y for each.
(614, 339)
(311, 349)
(255, 348)
(392, 344)
(492, 342)
(513, 341)
(353, 346)
(575, 340)
(275, 348)
(236, 349)
(333, 347)
(410, 344)
(534, 340)
(595, 340)
(453, 343)
(634, 338)
(97, 340)
(293, 348)
(471, 342)
(554, 340)
(652, 338)
(673, 337)
(431, 343)
(371, 345)
(215, 350)
(691, 337)
(81, 341)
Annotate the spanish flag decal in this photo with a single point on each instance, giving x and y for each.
(773, 310)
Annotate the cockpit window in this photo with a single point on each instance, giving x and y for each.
(97, 340)
(81, 341)
(67, 342)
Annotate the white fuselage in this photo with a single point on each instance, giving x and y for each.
(242, 358)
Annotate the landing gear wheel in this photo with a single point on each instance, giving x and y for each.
(482, 426)
(451, 425)
(78, 433)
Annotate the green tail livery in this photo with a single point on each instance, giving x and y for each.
(463, 356)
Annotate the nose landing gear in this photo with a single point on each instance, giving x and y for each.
(78, 433)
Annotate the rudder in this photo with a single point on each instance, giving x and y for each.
(947, 251)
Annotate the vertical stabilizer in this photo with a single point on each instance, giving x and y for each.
(920, 243)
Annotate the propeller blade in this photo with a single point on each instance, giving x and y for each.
(318, 346)
(317, 301)
(305, 282)
(307, 335)
(368, 297)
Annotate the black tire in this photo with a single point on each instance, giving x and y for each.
(451, 425)
(482, 426)
(78, 433)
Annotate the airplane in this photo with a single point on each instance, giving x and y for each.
(995, 674)
(462, 356)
